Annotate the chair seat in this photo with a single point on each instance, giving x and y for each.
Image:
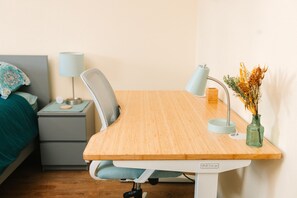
(108, 171)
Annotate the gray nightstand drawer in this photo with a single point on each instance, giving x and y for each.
(63, 137)
(62, 128)
(62, 153)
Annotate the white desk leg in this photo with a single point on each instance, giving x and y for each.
(206, 185)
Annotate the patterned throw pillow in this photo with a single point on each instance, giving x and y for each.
(11, 78)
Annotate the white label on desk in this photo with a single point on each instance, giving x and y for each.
(209, 165)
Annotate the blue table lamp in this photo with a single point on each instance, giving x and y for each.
(197, 85)
(71, 65)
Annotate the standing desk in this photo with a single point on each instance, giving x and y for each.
(167, 130)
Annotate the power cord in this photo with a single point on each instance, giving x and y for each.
(186, 176)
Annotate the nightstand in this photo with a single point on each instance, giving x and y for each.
(63, 136)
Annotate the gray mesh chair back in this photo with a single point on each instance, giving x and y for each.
(108, 109)
(103, 96)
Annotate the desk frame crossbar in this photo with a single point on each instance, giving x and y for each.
(206, 171)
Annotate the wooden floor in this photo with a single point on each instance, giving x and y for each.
(28, 181)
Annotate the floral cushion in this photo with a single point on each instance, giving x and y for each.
(11, 78)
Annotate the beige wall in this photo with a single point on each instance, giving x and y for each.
(257, 32)
(138, 44)
(152, 44)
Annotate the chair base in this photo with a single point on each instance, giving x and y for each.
(135, 192)
(144, 195)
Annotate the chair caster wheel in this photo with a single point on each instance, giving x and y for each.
(133, 193)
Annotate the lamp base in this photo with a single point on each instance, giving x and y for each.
(220, 126)
(73, 101)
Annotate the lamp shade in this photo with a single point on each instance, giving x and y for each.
(71, 63)
(197, 83)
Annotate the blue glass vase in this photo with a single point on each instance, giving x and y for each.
(255, 132)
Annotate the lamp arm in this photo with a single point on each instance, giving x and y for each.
(228, 97)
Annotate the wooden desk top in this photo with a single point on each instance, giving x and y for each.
(170, 125)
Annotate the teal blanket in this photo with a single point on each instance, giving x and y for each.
(18, 127)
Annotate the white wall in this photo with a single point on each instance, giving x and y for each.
(257, 32)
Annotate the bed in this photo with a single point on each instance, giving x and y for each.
(36, 68)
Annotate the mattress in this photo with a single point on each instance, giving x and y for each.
(18, 127)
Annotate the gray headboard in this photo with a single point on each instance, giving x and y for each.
(36, 67)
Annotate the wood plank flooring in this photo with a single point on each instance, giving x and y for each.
(28, 181)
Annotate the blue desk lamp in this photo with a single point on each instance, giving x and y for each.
(197, 85)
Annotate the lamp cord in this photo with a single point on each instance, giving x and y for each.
(186, 176)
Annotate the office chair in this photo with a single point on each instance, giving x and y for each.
(109, 110)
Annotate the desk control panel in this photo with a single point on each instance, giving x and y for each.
(209, 165)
